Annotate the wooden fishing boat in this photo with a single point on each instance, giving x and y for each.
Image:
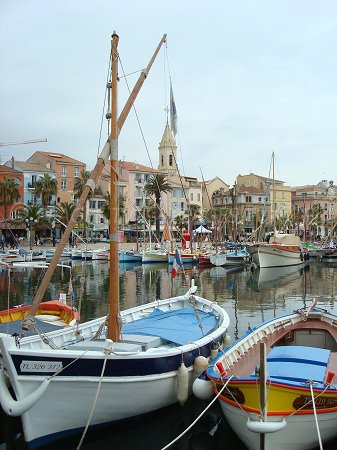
(129, 256)
(186, 257)
(230, 258)
(154, 256)
(51, 315)
(112, 368)
(277, 384)
(284, 250)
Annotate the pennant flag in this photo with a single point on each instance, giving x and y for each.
(173, 113)
(177, 262)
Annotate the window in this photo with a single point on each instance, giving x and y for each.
(138, 177)
(248, 199)
(92, 204)
(182, 206)
(198, 197)
(63, 185)
(191, 196)
(91, 218)
(170, 160)
(162, 160)
(63, 171)
(76, 171)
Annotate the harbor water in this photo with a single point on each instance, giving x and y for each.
(249, 297)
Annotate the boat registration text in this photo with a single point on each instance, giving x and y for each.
(41, 366)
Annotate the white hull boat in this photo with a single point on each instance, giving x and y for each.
(234, 258)
(100, 255)
(139, 374)
(113, 368)
(284, 250)
(154, 256)
(278, 381)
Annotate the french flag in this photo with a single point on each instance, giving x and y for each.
(177, 262)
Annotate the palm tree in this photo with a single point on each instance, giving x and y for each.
(64, 211)
(33, 217)
(121, 206)
(79, 184)
(9, 194)
(157, 184)
(45, 188)
(181, 223)
(193, 214)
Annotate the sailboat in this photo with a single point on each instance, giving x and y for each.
(112, 368)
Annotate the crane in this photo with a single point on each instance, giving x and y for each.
(32, 141)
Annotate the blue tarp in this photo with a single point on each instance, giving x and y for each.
(300, 354)
(297, 363)
(178, 326)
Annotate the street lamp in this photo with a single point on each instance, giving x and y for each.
(30, 222)
(304, 194)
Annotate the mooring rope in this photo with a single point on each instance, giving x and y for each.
(199, 417)
(315, 414)
(94, 404)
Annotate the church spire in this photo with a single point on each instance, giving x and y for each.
(167, 153)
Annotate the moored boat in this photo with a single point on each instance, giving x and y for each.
(284, 250)
(129, 256)
(230, 258)
(186, 257)
(116, 367)
(154, 256)
(279, 379)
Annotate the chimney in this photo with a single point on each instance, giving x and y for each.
(12, 162)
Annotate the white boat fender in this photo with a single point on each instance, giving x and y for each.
(260, 426)
(227, 341)
(200, 364)
(16, 408)
(214, 352)
(202, 387)
(182, 384)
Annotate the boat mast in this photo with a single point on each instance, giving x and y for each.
(113, 328)
(90, 186)
(273, 202)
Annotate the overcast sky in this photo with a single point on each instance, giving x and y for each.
(249, 78)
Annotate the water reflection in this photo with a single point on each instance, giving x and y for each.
(249, 298)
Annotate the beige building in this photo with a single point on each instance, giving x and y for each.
(67, 169)
(208, 188)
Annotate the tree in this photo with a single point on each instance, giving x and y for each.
(79, 184)
(157, 184)
(64, 212)
(33, 217)
(181, 223)
(193, 214)
(45, 188)
(9, 194)
(121, 206)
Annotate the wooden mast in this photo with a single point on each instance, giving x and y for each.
(90, 185)
(113, 328)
